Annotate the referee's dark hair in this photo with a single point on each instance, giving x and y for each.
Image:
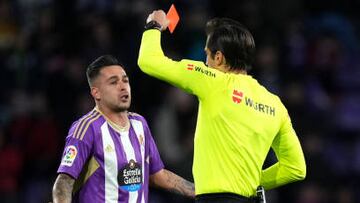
(233, 40)
(93, 70)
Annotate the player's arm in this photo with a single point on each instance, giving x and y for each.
(63, 188)
(169, 181)
(77, 150)
(291, 165)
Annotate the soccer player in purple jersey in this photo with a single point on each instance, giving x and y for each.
(110, 155)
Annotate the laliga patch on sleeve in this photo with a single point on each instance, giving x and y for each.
(69, 156)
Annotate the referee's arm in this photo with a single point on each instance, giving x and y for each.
(194, 77)
(152, 60)
(291, 165)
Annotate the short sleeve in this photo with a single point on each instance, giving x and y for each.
(78, 148)
(155, 162)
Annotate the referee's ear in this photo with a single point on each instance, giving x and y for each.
(94, 91)
(219, 59)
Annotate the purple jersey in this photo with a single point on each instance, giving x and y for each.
(110, 165)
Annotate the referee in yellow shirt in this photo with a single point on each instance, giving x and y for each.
(238, 119)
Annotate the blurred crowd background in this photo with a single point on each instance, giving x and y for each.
(308, 53)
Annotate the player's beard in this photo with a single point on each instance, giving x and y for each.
(122, 107)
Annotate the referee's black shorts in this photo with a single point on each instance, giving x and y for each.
(223, 198)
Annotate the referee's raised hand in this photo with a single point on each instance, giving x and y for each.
(160, 17)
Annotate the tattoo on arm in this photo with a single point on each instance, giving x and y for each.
(174, 183)
(62, 189)
(180, 185)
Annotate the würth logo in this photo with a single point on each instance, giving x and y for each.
(190, 66)
(237, 96)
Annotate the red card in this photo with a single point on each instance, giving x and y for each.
(173, 17)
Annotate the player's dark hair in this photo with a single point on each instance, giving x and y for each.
(232, 39)
(93, 70)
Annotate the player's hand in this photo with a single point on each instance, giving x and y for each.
(160, 17)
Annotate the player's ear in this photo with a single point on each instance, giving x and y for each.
(219, 58)
(95, 93)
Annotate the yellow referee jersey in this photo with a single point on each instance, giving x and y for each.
(238, 122)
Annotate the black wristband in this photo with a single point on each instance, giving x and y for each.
(152, 25)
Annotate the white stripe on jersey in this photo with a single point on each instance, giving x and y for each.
(110, 166)
(130, 154)
(139, 130)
